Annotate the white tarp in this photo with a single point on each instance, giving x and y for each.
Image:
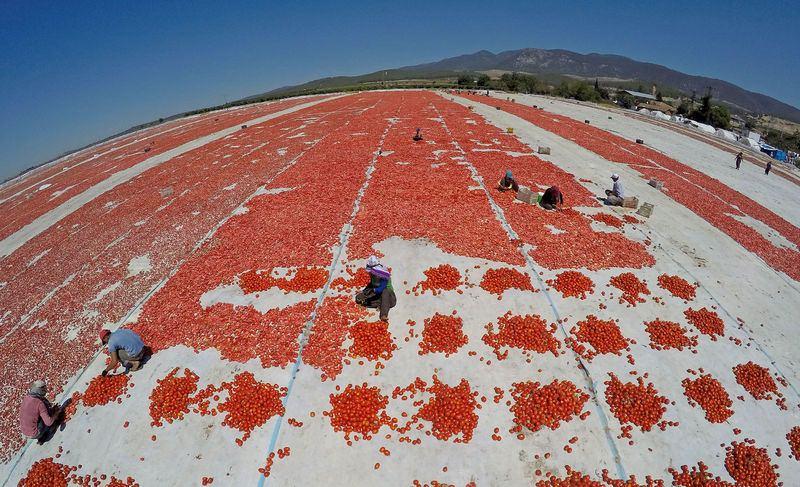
(660, 115)
(750, 144)
(705, 128)
(677, 118)
(644, 111)
(725, 134)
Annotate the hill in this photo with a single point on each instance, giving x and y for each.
(559, 62)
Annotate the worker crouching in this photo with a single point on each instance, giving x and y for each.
(38, 419)
(379, 292)
(124, 346)
(508, 182)
(616, 194)
(552, 198)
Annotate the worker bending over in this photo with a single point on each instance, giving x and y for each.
(379, 292)
(615, 195)
(552, 197)
(508, 182)
(124, 346)
(38, 419)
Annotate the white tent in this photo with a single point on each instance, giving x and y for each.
(660, 115)
(705, 128)
(750, 144)
(644, 111)
(725, 134)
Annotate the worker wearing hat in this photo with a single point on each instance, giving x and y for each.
(379, 292)
(38, 418)
(508, 182)
(124, 346)
(616, 194)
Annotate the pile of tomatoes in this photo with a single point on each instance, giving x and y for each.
(678, 286)
(665, 335)
(529, 333)
(105, 389)
(635, 403)
(698, 476)
(706, 321)
(793, 437)
(572, 284)
(750, 465)
(450, 410)
(709, 393)
(609, 220)
(171, 397)
(250, 403)
(358, 410)
(536, 406)
(631, 288)
(372, 340)
(301, 280)
(497, 281)
(757, 380)
(442, 334)
(46, 473)
(437, 279)
(604, 336)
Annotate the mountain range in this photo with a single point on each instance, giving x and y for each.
(559, 62)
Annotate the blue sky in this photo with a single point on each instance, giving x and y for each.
(74, 72)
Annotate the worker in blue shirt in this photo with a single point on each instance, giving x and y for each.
(124, 346)
(379, 292)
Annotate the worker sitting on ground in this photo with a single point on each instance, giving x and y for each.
(379, 292)
(418, 135)
(38, 419)
(508, 182)
(552, 197)
(124, 346)
(615, 195)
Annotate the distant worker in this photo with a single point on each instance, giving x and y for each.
(552, 197)
(418, 135)
(768, 168)
(615, 195)
(379, 292)
(125, 347)
(739, 158)
(508, 182)
(38, 419)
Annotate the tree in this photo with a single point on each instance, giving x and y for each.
(659, 97)
(719, 116)
(466, 80)
(715, 115)
(579, 90)
(483, 80)
(626, 101)
(684, 108)
(509, 81)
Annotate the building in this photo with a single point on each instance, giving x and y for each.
(655, 105)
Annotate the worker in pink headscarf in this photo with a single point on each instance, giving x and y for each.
(379, 292)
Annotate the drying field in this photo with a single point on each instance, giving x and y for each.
(585, 347)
